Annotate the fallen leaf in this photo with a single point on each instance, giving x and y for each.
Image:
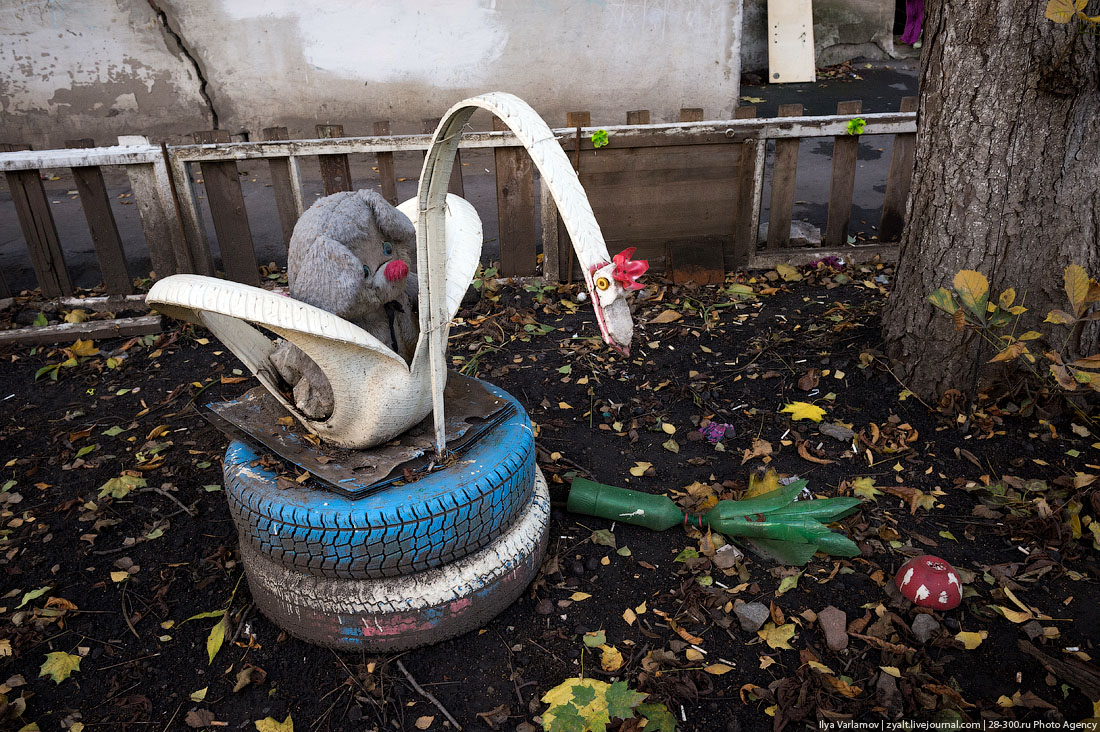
(804, 410)
(865, 488)
(639, 469)
(717, 669)
(971, 639)
(891, 671)
(610, 659)
(760, 448)
(777, 636)
(668, 316)
(578, 596)
(270, 724)
(424, 722)
(59, 665)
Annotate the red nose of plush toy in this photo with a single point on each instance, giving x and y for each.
(396, 270)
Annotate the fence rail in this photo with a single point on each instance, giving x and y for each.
(712, 172)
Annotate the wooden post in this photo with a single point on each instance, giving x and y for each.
(742, 238)
(566, 254)
(384, 161)
(223, 193)
(898, 180)
(548, 209)
(286, 184)
(783, 177)
(637, 117)
(454, 185)
(691, 114)
(845, 155)
(101, 223)
(515, 208)
(36, 221)
(335, 169)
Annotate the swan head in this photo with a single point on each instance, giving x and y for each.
(608, 282)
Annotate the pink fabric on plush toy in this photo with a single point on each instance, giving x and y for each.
(396, 270)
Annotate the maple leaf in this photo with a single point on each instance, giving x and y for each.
(777, 636)
(804, 410)
(611, 659)
(576, 705)
(865, 488)
(270, 724)
(59, 665)
(621, 700)
(660, 719)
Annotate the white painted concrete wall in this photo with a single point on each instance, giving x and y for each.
(99, 68)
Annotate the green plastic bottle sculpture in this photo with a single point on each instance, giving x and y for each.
(773, 523)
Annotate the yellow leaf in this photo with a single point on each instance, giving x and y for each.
(560, 699)
(970, 639)
(216, 638)
(424, 722)
(842, 687)
(119, 576)
(639, 469)
(59, 665)
(668, 316)
(83, 348)
(198, 696)
(865, 488)
(788, 273)
(668, 429)
(564, 405)
(578, 596)
(717, 669)
(610, 658)
(640, 609)
(5, 648)
(973, 290)
(629, 616)
(1015, 616)
(1077, 288)
(1007, 298)
(270, 724)
(76, 316)
(777, 637)
(819, 667)
(804, 410)
(758, 485)
(693, 655)
(766, 661)
(891, 671)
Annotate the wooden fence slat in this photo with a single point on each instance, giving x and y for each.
(691, 114)
(454, 185)
(742, 238)
(566, 256)
(101, 223)
(68, 332)
(36, 220)
(548, 211)
(335, 169)
(384, 161)
(515, 209)
(288, 198)
(223, 193)
(898, 180)
(845, 157)
(637, 117)
(5, 291)
(784, 170)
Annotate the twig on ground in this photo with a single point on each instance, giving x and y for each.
(427, 695)
(190, 511)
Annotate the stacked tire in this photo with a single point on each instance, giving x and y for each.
(409, 565)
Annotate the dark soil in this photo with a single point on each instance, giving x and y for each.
(173, 547)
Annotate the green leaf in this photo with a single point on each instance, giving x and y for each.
(788, 583)
(40, 320)
(216, 638)
(34, 595)
(121, 486)
(687, 554)
(59, 665)
(599, 138)
(566, 369)
(201, 616)
(856, 125)
(594, 639)
(660, 719)
(563, 714)
(973, 290)
(85, 450)
(51, 370)
(621, 700)
(113, 431)
(604, 537)
(583, 695)
(944, 300)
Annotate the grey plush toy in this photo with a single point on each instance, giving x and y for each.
(350, 255)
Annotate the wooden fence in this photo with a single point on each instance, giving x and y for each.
(654, 186)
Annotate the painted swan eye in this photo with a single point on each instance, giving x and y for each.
(366, 271)
(387, 248)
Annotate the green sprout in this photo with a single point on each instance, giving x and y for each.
(599, 138)
(856, 125)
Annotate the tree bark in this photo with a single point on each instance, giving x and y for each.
(1006, 180)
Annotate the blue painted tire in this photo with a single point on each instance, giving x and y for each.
(395, 613)
(440, 518)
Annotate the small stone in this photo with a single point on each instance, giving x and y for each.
(837, 431)
(592, 564)
(1033, 630)
(544, 606)
(577, 569)
(925, 627)
(834, 624)
(752, 615)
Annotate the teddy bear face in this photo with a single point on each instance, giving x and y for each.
(385, 263)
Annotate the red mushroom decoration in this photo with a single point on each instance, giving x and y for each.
(929, 581)
(628, 270)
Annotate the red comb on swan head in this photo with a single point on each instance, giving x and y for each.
(628, 270)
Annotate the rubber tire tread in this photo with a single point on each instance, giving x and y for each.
(392, 614)
(402, 530)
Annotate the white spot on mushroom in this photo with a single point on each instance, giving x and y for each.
(922, 592)
(943, 597)
(908, 576)
(953, 580)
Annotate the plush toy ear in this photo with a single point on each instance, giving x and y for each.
(393, 224)
(324, 273)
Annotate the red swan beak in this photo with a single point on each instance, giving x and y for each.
(628, 270)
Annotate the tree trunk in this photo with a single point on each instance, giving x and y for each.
(1007, 176)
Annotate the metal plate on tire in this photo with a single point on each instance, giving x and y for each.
(472, 412)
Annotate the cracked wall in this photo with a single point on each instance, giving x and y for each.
(99, 68)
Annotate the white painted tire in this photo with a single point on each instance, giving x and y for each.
(396, 613)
